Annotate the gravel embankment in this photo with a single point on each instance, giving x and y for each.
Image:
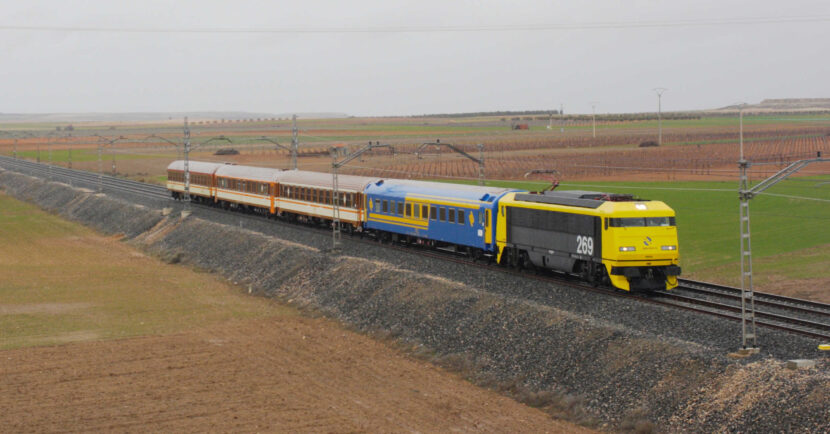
(618, 360)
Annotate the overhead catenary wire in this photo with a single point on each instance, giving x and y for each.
(597, 25)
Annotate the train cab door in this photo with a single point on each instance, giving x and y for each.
(488, 230)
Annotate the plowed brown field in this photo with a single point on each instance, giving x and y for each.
(291, 374)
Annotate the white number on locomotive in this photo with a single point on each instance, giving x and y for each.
(584, 245)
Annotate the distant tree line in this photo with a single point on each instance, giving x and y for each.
(540, 115)
(496, 113)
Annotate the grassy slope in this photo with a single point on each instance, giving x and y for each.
(62, 282)
(787, 234)
(62, 155)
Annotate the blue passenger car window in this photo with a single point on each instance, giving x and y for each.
(432, 213)
(461, 216)
(385, 206)
(442, 214)
(452, 215)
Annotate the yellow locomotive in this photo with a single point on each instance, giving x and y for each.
(604, 238)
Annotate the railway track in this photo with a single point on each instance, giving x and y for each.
(771, 310)
(84, 179)
(788, 314)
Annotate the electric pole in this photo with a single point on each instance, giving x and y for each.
(594, 118)
(659, 91)
(295, 142)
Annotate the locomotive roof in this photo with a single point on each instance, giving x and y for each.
(442, 189)
(324, 180)
(568, 200)
(262, 174)
(577, 198)
(595, 200)
(195, 166)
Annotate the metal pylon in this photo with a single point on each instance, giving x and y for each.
(747, 294)
(335, 199)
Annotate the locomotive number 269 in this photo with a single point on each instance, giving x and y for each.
(584, 245)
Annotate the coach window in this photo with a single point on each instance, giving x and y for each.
(451, 218)
(461, 216)
(400, 208)
(416, 211)
(385, 205)
(409, 210)
(442, 214)
(433, 213)
(424, 212)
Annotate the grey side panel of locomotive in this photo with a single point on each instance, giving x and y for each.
(552, 239)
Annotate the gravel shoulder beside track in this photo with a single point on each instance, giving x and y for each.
(615, 359)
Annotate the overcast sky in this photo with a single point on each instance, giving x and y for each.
(408, 57)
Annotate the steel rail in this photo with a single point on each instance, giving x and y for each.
(712, 287)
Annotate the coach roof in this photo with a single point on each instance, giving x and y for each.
(195, 166)
(439, 189)
(261, 174)
(324, 180)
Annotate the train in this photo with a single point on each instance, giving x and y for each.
(605, 239)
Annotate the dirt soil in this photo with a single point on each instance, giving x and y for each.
(275, 374)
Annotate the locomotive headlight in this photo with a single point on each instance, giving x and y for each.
(627, 249)
(668, 247)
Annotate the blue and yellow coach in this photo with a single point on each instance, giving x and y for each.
(434, 214)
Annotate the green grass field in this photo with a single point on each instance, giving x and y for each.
(62, 282)
(788, 234)
(62, 155)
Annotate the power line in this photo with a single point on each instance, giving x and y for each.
(788, 196)
(432, 28)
